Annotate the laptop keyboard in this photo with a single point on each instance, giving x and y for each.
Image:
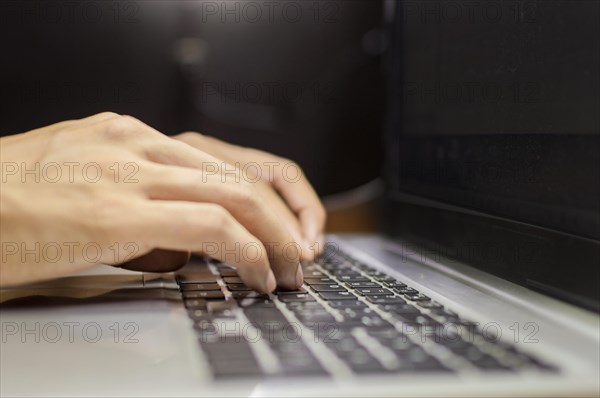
(348, 318)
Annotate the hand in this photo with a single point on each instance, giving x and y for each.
(281, 183)
(108, 188)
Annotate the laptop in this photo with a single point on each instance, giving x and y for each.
(484, 284)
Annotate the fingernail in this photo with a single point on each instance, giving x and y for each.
(299, 276)
(271, 282)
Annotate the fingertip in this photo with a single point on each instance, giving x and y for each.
(307, 252)
(299, 277)
(271, 283)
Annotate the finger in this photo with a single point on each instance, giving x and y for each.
(204, 228)
(156, 147)
(288, 219)
(91, 120)
(160, 149)
(242, 200)
(287, 178)
(303, 200)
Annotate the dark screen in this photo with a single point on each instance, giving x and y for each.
(495, 112)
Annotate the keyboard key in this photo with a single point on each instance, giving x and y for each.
(339, 304)
(374, 321)
(221, 309)
(354, 285)
(238, 287)
(344, 276)
(337, 267)
(487, 362)
(328, 288)
(387, 281)
(321, 319)
(357, 310)
(478, 358)
(255, 303)
(284, 344)
(453, 343)
(227, 347)
(343, 346)
(360, 361)
(290, 292)
(194, 303)
(357, 279)
(196, 278)
(302, 312)
(224, 370)
(204, 295)
(207, 328)
(384, 335)
(432, 305)
(237, 295)
(199, 315)
(266, 317)
(373, 292)
(395, 284)
(230, 356)
(375, 272)
(417, 297)
(349, 324)
(187, 287)
(385, 299)
(300, 365)
(337, 296)
(296, 297)
(319, 281)
(232, 279)
(405, 309)
(405, 290)
(418, 360)
(412, 318)
(304, 305)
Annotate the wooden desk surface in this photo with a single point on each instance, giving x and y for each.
(365, 217)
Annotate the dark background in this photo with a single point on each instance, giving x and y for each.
(301, 79)
(493, 138)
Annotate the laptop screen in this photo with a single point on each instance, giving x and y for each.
(494, 137)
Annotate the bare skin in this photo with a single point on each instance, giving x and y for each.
(110, 189)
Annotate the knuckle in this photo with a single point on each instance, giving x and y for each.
(106, 115)
(123, 127)
(188, 136)
(291, 165)
(246, 195)
(132, 120)
(217, 219)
